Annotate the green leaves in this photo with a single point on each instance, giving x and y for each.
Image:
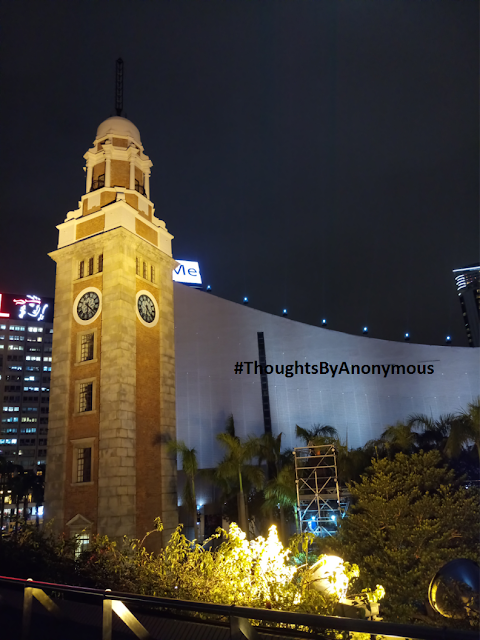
(408, 518)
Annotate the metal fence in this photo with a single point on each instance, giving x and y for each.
(141, 613)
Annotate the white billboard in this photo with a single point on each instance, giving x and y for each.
(187, 272)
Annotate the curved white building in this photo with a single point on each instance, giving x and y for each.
(213, 334)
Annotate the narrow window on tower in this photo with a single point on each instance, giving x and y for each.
(152, 274)
(86, 347)
(90, 266)
(145, 270)
(100, 262)
(81, 269)
(138, 266)
(85, 397)
(84, 464)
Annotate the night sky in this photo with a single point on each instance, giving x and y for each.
(316, 155)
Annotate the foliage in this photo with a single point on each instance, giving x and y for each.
(410, 516)
(234, 468)
(318, 434)
(190, 467)
(256, 573)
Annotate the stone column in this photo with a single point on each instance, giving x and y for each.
(108, 163)
(117, 441)
(60, 382)
(89, 176)
(132, 173)
(147, 183)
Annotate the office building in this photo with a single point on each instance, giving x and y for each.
(25, 364)
(468, 287)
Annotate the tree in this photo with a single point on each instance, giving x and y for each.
(190, 467)
(410, 516)
(234, 467)
(466, 429)
(281, 490)
(21, 485)
(318, 434)
(400, 437)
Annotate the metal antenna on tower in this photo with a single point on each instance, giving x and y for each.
(119, 87)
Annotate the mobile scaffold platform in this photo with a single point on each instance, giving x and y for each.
(320, 502)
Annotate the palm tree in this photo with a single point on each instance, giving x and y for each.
(21, 487)
(270, 451)
(318, 434)
(281, 490)
(470, 421)
(400, 437)
(433, 433)
(234, 467)
(190, 467)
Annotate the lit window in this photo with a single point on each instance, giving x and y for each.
(86, 347)
(84, 464)
(16, 328)
(83, 542)
(85, 398)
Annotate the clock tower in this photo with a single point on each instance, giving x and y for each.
(112, 402)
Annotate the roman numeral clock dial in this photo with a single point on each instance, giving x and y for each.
(87, 305)
(147, 309)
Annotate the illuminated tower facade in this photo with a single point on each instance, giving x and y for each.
(112, 401)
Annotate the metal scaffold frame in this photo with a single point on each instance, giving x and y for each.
(318, 495)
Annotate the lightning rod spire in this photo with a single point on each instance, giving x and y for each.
(119, 87)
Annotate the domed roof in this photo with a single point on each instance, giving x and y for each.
(119, 126)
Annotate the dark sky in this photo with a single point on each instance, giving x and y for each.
(312, 154)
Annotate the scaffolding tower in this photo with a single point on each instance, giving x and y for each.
(320, 503)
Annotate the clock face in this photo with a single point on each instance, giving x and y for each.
(146, 308)
(88, 305)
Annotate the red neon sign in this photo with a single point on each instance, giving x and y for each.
(3, 315)
(32, 301)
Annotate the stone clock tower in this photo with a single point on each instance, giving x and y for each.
(112, 402)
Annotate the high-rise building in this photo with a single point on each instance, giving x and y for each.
(468, 287)
(26, 326)
(112, 404)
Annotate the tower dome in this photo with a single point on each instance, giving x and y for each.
(118, 126)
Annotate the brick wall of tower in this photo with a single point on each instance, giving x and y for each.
(120, 174)
(83, 498)
(156, 477)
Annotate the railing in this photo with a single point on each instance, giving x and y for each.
(237, 617)
(98, 184)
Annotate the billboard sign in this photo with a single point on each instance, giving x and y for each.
(26, 307)
(188, 272)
